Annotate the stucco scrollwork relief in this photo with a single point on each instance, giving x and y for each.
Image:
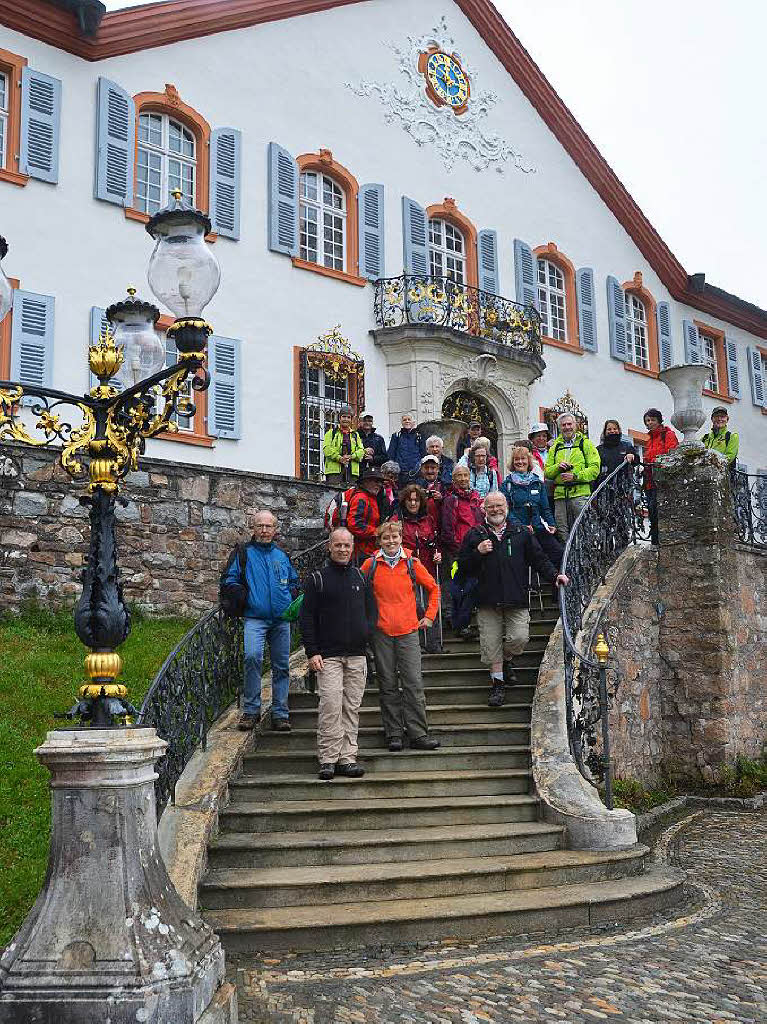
(438, 127)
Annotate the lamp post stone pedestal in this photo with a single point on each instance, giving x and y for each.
(109, 940)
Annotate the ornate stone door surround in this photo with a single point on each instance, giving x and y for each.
(427, 362)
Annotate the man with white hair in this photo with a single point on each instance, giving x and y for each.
(498, 555)
(436, 446)
(573, 464)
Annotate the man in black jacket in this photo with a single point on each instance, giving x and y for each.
(375, 446)
(337, 617)
(499, 555)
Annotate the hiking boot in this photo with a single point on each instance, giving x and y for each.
(247, 722)
(327, 771)
(497, 696)
(350, 769)
(280, 725)
(395, 744)
(424, 743)
(509, 675)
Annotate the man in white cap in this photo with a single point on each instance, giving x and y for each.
(539, 438)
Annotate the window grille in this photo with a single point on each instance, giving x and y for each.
(637, 347)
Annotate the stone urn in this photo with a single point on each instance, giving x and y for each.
(448, 429)
(686, 386)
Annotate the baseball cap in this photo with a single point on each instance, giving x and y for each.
(430, 458)
(538, 428)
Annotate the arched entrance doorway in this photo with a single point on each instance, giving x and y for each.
(466, 406)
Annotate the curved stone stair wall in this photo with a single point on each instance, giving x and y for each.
(429, 844)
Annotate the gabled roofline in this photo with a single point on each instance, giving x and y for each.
(140, 28)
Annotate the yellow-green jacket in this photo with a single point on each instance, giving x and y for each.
(331, 449)
(724, 442)
(585, 460)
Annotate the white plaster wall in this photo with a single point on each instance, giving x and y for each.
(286, 81)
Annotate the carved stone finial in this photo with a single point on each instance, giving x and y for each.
(326, 156)
(171, 94)
(638, 279)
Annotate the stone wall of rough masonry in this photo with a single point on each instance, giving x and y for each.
(749, 603)
(174, 531)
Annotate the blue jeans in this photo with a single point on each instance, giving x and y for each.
(278, 634)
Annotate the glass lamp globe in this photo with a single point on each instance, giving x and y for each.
(6, 292)
(133, 322)
(183, 273)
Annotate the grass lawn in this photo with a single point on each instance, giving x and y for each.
(41, 668)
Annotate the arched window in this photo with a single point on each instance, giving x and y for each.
(166, 160)
(447, 251)
(637, 333)
(322, 220)
(555, 289)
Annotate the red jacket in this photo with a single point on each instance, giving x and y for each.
(419, 535)
(362, 522)
(662, 440)
(461, 511)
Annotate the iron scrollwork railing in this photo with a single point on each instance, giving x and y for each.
(199, 680)
(749, 495)
(610, 521)
(415, 299)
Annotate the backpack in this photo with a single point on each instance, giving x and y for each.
(233, 597)
(318, 584)
(707, 438)
(579, 445)
(338, 509)
(419, 607)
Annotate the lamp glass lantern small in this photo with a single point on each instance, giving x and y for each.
(133, 321)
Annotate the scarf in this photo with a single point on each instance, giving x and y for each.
(524, 479)
(498, 530)
(391, 560)
(611, 440)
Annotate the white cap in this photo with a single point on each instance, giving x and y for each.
(537, 428)
(364, 415)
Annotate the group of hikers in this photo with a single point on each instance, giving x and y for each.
(416, 534)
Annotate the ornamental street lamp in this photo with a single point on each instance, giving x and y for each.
(114, 424)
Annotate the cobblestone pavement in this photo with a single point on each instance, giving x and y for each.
(704, 961)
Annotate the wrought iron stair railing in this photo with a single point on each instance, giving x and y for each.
(199, 680)
(423, 299)
(749, 496)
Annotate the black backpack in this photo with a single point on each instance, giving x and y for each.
(233, 597)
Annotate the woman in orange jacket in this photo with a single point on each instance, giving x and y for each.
(395, 575)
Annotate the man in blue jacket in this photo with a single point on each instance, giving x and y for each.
(272, 583)
(407, 448)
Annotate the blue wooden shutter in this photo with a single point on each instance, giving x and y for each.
(32, 338)
(756, 375)
(487, 255)
(115, 144)
(283, 201)
(224, 391)
(616, 318)
(587, 312)
(40, 125)
(225, 145)
(733, 377)
(665, 350)
(415, 234)
(524, 273)
(691, 342)
(370, 208)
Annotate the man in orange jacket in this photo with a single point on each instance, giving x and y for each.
(396, 576)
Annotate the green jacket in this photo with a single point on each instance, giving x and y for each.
(331, 449)
(723, 442)
(586, 463)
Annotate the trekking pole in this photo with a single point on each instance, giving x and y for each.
(439, 610)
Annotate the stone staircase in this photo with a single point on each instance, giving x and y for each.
(427, 845)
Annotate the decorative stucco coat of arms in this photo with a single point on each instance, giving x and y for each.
(450, 132)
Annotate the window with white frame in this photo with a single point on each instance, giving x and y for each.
(552, 302)
(447, 251)
(708, 354)
(637, 346)
(322, 221)
(166, 160)
(324, 397)
(4, 100)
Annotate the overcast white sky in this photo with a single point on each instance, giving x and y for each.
(673, 93)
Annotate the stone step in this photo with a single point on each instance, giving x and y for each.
(235, 888)
(474, 691)
(409, 920)
(477, 734)
(461, 662)
(478, 675)
(451, 714)
(395, 785)
(379, 759)
(351, 815)
(380, 846)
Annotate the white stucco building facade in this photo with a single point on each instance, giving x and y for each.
(509, 193)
